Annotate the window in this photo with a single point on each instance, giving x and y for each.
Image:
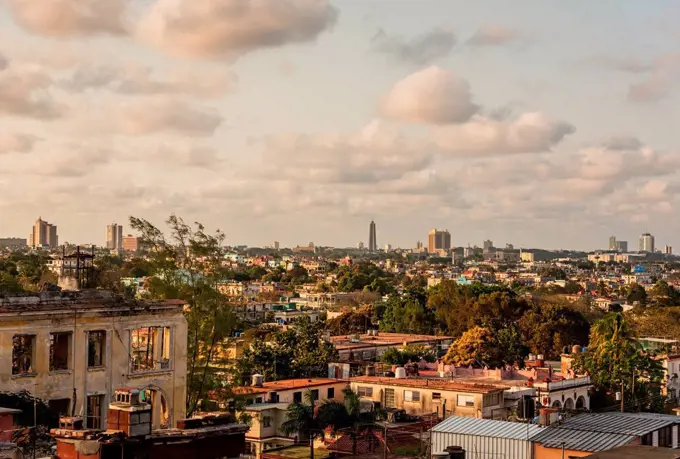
(59, 406)
(297, 397)
(60, 351)
(411, 396)
(389, 398)
(436, 395)
(365, 391)
(23, 351)
(266, 421)
(150, 348)
(94, 411)
(315, 394)
(331, 393)
(466, 400)
(494, 398)
(96, 344)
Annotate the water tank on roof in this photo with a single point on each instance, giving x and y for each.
(400, 373)
(539, 357)
(258, 380)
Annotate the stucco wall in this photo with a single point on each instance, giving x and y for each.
(116, 371)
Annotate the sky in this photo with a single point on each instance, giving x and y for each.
(540, 123)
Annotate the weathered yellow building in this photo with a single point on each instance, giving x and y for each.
(73, 349)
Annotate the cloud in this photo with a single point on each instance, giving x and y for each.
(433, 95)
(422, 49)
(663, 75)
(622, 143)
(141, 80)
(528, 133)
(230, 28)
(25, 92)
(65, 18)
(494, 36)
(69, 160)
(148, 117)
(186, 155)
(376, 154)
(16, 143)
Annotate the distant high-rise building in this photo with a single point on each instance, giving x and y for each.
(467, 252)
(276, 245)
(612, 243)
(487, 246)
(668, 250)
(13, 242)
(114, 236)
(44, 234)
(388, 247)
(360, 245)
(130, 243)
(509, 246)
(621, 246)
(646, 243)
(372, 240)
(438, 240)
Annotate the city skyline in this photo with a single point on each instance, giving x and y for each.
(510, 122)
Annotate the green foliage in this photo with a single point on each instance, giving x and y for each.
(406, 314)
(9, 284)
(664, 295)
(364, 277)
(412, 353)
(615, 360)
(296, 276)
(299, 351)
(546, 328)
(357, 321)
(187, 265)
(480, 346)
(636, 293)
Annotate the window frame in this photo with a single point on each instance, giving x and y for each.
(467, 399)
(31, 358)
(413, 395)
(102, 351)
(365, 391)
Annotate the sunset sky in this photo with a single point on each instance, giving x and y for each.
(536, 122)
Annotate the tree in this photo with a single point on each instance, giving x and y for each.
(351, 322)
(187, 265)
(546, 328)
(663, 294)
(413, 353)
(636, 293)
(299, 351)
(615, 361)
(481, 346)
(300, 419)
(407, 314)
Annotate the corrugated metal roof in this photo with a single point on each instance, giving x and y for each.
(487, 428)
(620, 423)
(580, 440)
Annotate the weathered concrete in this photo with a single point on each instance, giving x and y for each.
(79, 313)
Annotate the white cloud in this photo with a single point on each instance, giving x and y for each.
(166, 115)
(660, 78)
(16, 143)
(494, 36)
(528, 133)
(433, 95)
(25, 92)
(230, 28)
(422, 49)
(63, 18)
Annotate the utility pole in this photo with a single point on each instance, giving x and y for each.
(385, 445)
(622, 397)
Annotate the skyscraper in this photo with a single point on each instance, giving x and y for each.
(646, 243)
(612, 243)
(44, 234)
(114, 236)
(438, 240)
(372, 240)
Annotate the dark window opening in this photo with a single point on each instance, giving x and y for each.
(60, 344)
(331, 392)
(59, 406)
(23, 348)
(297, 397)
(94, 411)
(96, 344)
(315, 394)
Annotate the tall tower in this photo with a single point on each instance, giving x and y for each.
(114, 236)
(646, 243)
(372, 240)
(44, 234)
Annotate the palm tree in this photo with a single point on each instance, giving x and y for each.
(300, 420)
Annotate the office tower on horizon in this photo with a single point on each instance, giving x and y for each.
(668, 250)
(487, 246)
(646, 243)
(114, 236)
(372, 240)
(612, 243)
(44, 234)
(621, 246)
(438, 240)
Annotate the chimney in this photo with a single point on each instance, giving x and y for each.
(71, 423)
(257, 380)
(129, 414)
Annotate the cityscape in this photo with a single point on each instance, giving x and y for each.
(324, 229)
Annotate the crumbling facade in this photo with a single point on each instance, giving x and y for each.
(74, 349)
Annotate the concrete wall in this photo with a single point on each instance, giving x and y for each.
(116, 372)
(448, 400)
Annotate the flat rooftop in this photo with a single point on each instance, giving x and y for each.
(79, 300)
(285, 384)
(426, 383)
(383, 339)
